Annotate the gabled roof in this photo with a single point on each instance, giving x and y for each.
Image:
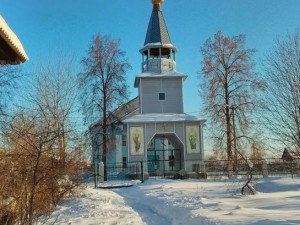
(151, 75)
(122, 112)
(11, 49)
(289, 155)
(157, 29)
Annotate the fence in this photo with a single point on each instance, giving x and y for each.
(259, 168)
(206, 169)
(130, 171)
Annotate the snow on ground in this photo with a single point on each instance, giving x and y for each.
(186, 202)
(95, 207)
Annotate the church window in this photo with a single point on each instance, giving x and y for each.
(161, 96)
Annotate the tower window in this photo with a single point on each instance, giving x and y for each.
(161, 96)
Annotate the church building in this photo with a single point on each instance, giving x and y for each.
(155, 129)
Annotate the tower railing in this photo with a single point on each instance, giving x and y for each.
(159, 65)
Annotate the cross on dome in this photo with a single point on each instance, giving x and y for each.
(158, 51)
(157, 1)
(157, 4)
(157, 30)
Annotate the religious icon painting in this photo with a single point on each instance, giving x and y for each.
(137, 141)
(192, 139)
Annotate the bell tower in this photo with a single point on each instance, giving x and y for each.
(161, 117)
(158, 52)
(160, 85)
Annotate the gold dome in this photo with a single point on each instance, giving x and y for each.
(157, 2)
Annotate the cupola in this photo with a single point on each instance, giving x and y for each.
(158, 51)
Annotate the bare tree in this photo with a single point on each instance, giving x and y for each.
(55, 96)
(228, 83)
(8, 81)
(35, 181)
(282, 105)
(103, 83)
(39, 146)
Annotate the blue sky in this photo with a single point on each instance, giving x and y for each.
(45, 26)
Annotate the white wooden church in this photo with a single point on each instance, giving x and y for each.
(154, 127)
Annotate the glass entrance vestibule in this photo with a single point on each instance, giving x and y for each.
(163, 157)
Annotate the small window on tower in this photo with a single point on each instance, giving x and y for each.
(161, 96)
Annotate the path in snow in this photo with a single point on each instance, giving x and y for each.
(208, 202)
(185, 202)
(156, 207)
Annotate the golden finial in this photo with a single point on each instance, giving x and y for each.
(157, 4)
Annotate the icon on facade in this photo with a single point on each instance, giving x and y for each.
(192, 139)
(136, 141)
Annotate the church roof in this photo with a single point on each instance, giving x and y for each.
(11, 49)
(171, 74)
(120, 113)
(162, 117)
(157, 29)
(289, 155)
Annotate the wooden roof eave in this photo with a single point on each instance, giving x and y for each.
(12, 51)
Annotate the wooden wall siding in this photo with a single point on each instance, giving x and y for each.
(179, 130)
(149, 94)
(165, 128)
(150, 131)
(159, 128)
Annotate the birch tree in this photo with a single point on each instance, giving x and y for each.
(228, 84)
(103, 84)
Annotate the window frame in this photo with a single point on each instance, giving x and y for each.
(160, 94)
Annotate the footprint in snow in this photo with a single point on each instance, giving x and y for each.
(238, 207)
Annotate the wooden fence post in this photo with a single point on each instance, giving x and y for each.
(265, 169)
(138, 171)
(101, 172)
(230, 169)
(142, 172)
(298, 167)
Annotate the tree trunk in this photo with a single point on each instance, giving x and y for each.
(32, 190)
(104, 136)
(228, 125)
(228, 138)
(104, 150)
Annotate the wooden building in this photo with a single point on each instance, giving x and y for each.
(158, 131)
(11, 49)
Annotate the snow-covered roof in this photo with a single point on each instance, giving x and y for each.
(12, 41)
(158, 45)
(169, 74)
(123, 111)
(290, 155)
(162, 117)
(149, 74)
